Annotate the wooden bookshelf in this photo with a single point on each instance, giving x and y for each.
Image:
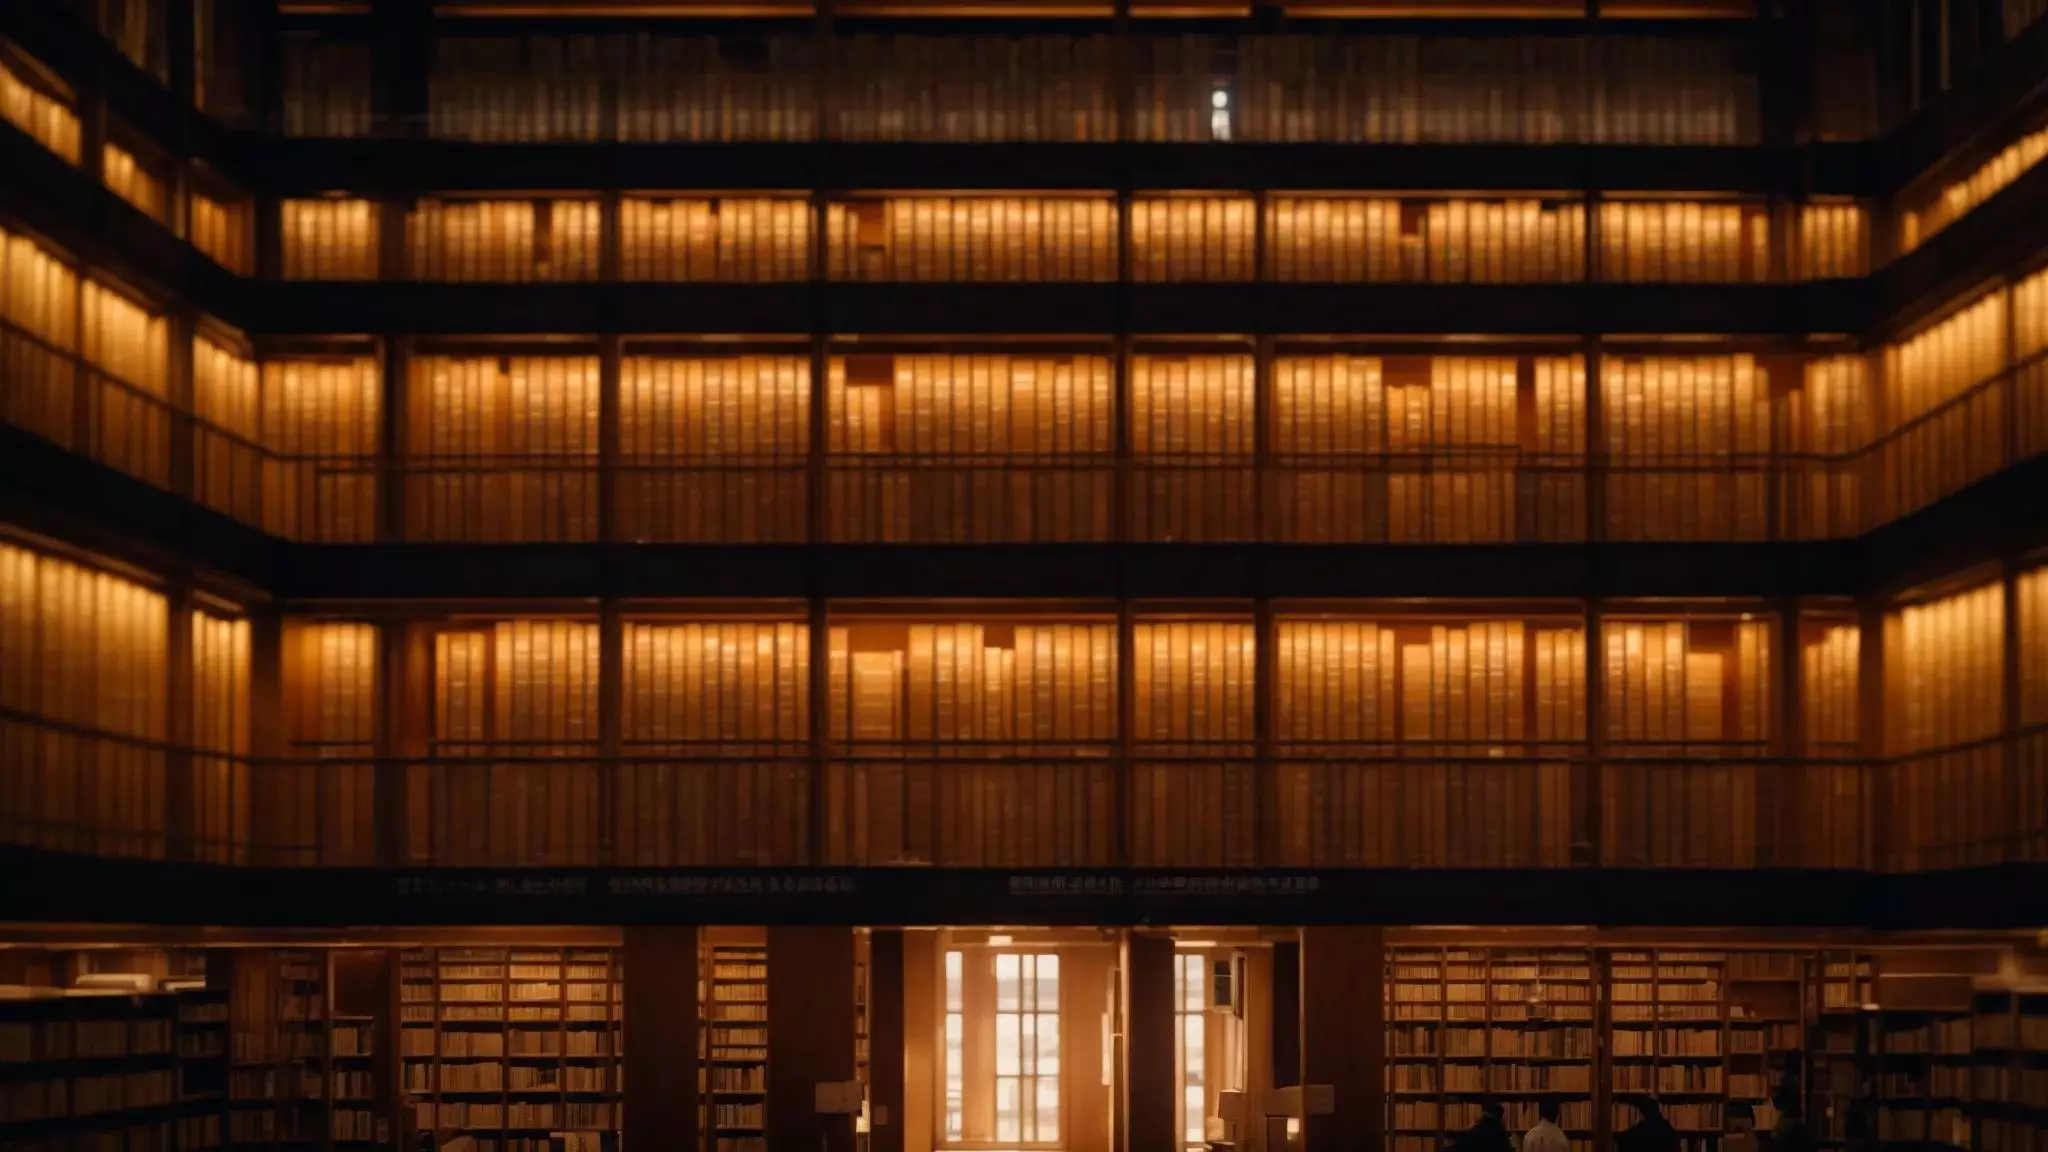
(736, 1054)
(87, 1072)
(516, 1047)
(2009, 1080)
(1670, 1039)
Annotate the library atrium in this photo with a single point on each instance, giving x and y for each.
(1053, 575)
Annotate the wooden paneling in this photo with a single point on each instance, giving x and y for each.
(661, 1017)
(517, 89)
(716, 721)
(1343, 1036)
(85, 650)
(129, 425)
(810, 1033)
(228, 464)
(2030, 356)
(1943, 707)
(713, 448)
(1152, 1044)
(711, 89)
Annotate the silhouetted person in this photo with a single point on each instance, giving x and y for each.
(1651, 1133)
(1740, 1129)
(1545, 1135)
(1489, 1134)
(1789, 1134)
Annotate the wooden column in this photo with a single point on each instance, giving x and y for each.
(887, 1050)
(661, 1022)
(1870, 722)
(266, 736)
(391, 439)
(2014, 846)
(1151, 1097)
(1586, 780)
(1285, 1035)
(1782, 839)
(810, 1035)
(178, 801)
(611, 679)
(1344, 1037)
(921, 1054)
(406, 693)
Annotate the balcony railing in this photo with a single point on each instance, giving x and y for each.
(1404, 805)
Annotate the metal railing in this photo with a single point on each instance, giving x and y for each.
(69, 789)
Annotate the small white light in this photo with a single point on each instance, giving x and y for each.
(999, 941)
(1747, 617)
(1293, 1128)
(1219, 99)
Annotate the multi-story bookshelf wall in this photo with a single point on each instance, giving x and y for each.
(970, 448)
(1438, 449)
(1175, 236)
(742, 238)
(1468, 1025)
(1193, 685)
(736, 1056)
(85, 652)
(503, 240)
(714, 447)
(1686, 439)
(321, 801)
(1832, 819)
(1936, 207)
(716, 727)
(502, 447)
(1944, 703)
(1954, 430)
(513, 1046)
(1688, 711)
(514, 738)
(38, 103)
(1427, 742)
(990, 237)
(972, 743)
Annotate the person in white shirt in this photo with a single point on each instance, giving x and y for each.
(1546, 1136)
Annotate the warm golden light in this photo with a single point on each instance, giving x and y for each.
(1684, 242)
(1696, 697)
(1191, 789)
(1192, 238)
(45, 117)
(1944, 703)
(227, 442)
(39, 306)
(1950, 431)
(326, 792)
(130, 421)
(728, 238)
(321, 418)
(502, 448)
(220, 228)
(1687, 439)
(1827, 423)
(220, 786)
(503, 240)
(713, 448)
(127, 178)
(85, 649)
(328, 239)
(1953, 201)
(1192, 436)
(1833, 241)
(1021, 718)
(1348, 238)
(970, 447)
(1007, 238)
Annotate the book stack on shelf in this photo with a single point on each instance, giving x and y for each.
(1468, 1025)
(1841, 1052)
(863, 967)
(1924, 1047)
(1766, 1028)
(1669, 1040)
(2009, 1082)
(517, 1048)
(86, 1070)
(299, 1078)
(201, 1034)
(736, 1047)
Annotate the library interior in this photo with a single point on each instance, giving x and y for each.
(1023, 575)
